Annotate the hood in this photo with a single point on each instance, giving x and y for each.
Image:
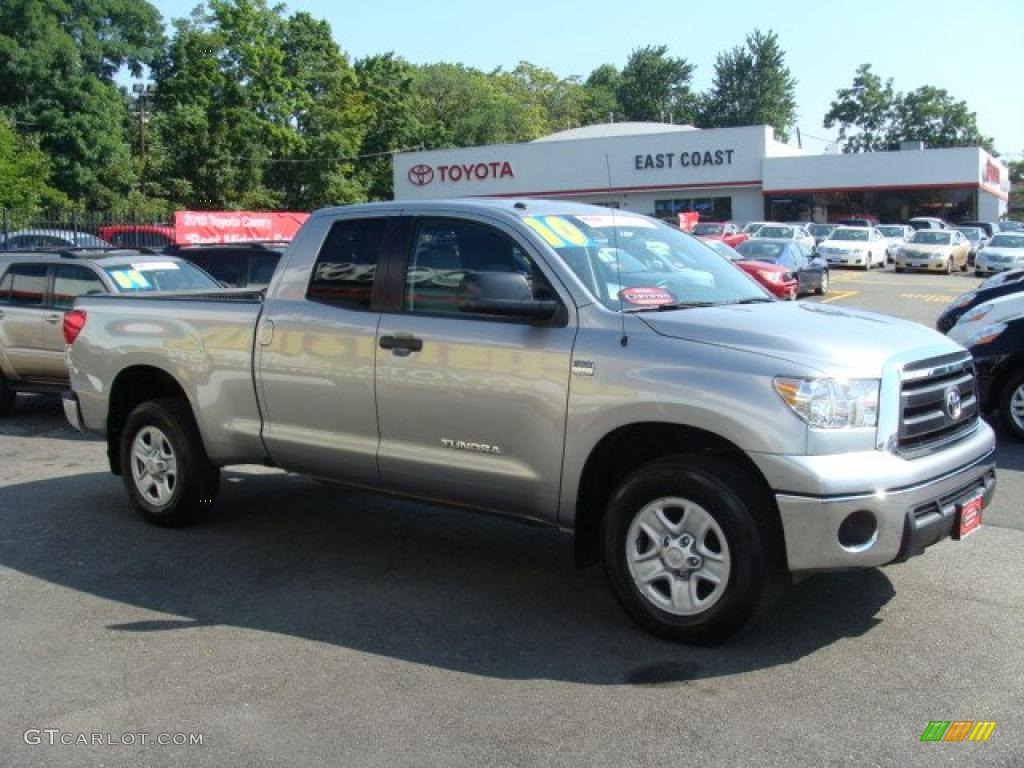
(846, 245)
(835, 341)
(1001, 253)
(929, 247)
(764, 266)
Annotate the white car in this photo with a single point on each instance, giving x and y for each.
(990, 312)
(751, 227)
(1003, 252)
(795, 232)
(928, 222)
(896, 236)
(855, 247)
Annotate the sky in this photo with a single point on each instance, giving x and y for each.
(970, 49)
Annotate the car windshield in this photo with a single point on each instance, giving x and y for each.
(784, 233)
(752, 227)
(820, 230)
(971, 233)
(931, 237)
(889, 230)
(844, 233)
(724, 250)
(171, 275)
(708, 229)
(1007, 241)
(761, 251)
(1011, 226)
(632, 263)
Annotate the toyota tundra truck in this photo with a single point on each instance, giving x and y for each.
(593, 370)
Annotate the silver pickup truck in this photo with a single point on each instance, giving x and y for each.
(593, 370)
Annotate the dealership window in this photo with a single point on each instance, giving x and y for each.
(709, 208)
(886, 205)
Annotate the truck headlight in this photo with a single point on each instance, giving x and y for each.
(964, 300)
(985, 335)
(831, 403)
(980, 312)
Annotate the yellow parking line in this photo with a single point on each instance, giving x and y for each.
(838, 296)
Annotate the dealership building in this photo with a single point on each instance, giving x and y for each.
(740, 174)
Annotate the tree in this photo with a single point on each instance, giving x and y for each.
(25, 172)
(655, 86)
(601, 95)
(933, 116)
(865, 112)
(752, 86)
(57, 61)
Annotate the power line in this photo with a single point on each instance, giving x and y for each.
(338, 159)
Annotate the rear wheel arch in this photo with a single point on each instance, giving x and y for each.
(629, 447)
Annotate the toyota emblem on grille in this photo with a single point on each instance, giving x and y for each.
(421, 175)
(954, 407)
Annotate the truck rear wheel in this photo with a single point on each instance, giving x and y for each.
(1011, 405)
(169, 478)
(7, 396)
(689, 550)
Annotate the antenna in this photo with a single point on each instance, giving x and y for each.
(624, 339)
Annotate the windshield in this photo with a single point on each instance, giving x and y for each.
(708, 229)
(724, 250)
(761, 251)
(931, 237)
(629, 262)
(1011, 226)
(752, 227)
(892, 231)
(850, 234)
(785, 233)
(820, 230)
(971, 233)
(1007, 241)
(143, 276)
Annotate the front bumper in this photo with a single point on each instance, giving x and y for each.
(931, 264)
(845, 259)
(910, 503)
(72, 411)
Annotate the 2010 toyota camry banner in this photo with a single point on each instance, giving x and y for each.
(235, 226)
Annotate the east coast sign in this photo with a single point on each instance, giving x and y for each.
(696, 159)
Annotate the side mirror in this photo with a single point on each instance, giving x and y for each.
(505, 294)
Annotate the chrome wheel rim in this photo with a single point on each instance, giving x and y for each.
(824, 282)
(1017, 407)
(154, 466)
(678, 556)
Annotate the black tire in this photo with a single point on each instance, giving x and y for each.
(7, 398)
(196, 480)
(949, 266)
(897, 269)
(823, 284)
(1015, 382)
(727, 494)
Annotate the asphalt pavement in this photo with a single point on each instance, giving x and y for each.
(309, 625)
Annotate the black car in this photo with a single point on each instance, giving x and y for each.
(998, 352)
(236, 265)
(811, 271)
(1009, 282)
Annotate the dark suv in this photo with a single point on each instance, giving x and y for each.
(236, 265)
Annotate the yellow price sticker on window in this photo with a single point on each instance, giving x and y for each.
(542, 229)
(566, 230)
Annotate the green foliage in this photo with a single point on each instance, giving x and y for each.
(601, 95)
(752, 86)
(656, 86)
(25, 172)
(872, 116)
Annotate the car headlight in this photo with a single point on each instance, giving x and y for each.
(831, 403)
(980, 312)
(771, 277)
(985, 335)
(966, 299)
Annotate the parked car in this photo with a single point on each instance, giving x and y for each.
(781, 282)
(1004, 284)
(976, 239)
(820, 232)
(992, 311)
(154, 236)
(1011, 226)
(752, 226)
(36, 291)
(236, 265)
(50, 238)
(928, 222)
(699, 437)
(934, 250)
(787, 232)
(998, 353)
(854, 247)
(896, 236)
(725, 231)
(857, 221)
(988, 227)
(1003, 252)
(811, 272)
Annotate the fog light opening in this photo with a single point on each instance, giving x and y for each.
(859, 531)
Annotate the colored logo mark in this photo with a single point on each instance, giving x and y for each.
(958, 730)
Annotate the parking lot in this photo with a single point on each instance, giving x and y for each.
(306, 624)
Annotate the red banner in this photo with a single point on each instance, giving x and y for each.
(235, 226)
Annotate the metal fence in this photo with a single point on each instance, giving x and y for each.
(71, 228)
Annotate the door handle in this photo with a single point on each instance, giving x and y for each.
(53, 318)
(401, 342)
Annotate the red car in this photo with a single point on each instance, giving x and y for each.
(722, 231)
(779, 281)
(138, 235)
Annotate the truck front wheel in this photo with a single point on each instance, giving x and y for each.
(164, 466)
(689, 548)
(1011, 405)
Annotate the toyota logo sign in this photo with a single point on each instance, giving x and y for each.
(954, 406)
(421, 175)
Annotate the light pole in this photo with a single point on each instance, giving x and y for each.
(142, 92)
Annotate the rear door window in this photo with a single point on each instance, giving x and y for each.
(346, 267)
(28, 286)
(71, 281)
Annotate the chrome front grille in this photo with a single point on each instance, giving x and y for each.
(938, 402)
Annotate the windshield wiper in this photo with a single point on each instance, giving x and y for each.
(669, 307)
(752, 300)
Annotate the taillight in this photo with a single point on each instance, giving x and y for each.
(74, 322)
